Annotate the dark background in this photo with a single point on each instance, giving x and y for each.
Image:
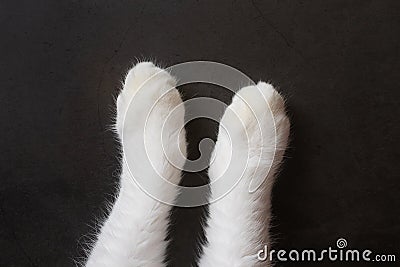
(337, 62)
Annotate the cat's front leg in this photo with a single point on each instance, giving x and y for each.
(149, 123)
(252, 138)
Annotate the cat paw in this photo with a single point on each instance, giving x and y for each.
(254, 104)
(147, 89)
(150, 122)
(255, 129)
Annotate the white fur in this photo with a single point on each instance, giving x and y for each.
(239, 223)
(135, 231)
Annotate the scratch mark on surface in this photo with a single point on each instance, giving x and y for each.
(277, 31)
(115, 52)
(100, 83)
(104, 70)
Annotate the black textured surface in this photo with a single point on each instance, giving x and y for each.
(337, 62)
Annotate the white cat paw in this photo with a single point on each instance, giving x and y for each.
(147, 90)
(255, 129)
(253, 103)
